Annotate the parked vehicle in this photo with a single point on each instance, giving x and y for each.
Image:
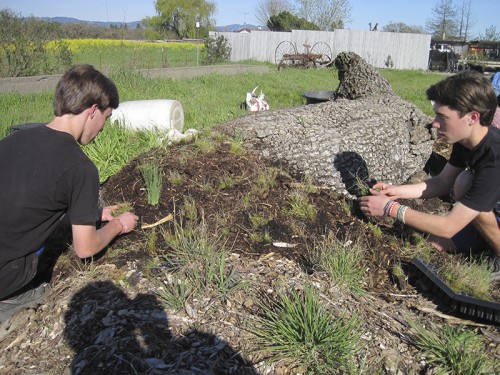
(443, 61)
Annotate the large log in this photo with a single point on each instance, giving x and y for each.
(366, 134)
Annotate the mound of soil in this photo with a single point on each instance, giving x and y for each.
(107, 316)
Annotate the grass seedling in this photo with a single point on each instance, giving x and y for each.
(236, 146)
(300, 207)
(377, 232)
(175, 295)
(151, 243)
(197, 258)
(452, 350)
(341, 260)
(227, 181)
(468, 277)
(297, 329)
(175, 178)
(153, 180)
(123, 207)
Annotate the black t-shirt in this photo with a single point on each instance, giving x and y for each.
(44, 174)
(484, 162)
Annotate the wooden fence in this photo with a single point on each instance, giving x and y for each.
(379, 49)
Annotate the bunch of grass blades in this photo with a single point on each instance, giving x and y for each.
(295, 328)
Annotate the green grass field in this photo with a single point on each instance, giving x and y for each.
(212, 99)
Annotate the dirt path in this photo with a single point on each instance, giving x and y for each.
(35, 84)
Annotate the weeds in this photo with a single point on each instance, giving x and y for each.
(197, 259)
(452, 350)
(300, 207)
(340, 260)
(297, 329)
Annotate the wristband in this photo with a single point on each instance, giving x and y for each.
(400, 216)
(394, 209)
(386, 207)
(123, 225)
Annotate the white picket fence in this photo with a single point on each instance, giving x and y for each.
(406, 51)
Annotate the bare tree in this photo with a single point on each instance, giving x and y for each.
(267, 8)
(327, 14)
(466, 20)
(443, 24)
(400, 27)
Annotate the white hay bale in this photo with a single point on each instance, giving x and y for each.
(160, 114)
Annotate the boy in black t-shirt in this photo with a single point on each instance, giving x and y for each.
(45, 175)
(464, 105)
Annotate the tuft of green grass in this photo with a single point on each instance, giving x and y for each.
(468, 277)
(452, 350)
(123, 207)
(375, 229)
(175, 294)
(175, 178)
(300, 207)
(153, 180)
(297, 329)
(197, 258)
(340, 260)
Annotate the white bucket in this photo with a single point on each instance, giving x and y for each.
(161, 114)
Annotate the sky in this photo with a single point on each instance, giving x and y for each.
(411, 12)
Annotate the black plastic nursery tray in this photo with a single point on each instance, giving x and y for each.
(472, 307)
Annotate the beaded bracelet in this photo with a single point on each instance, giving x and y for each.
(401, 213)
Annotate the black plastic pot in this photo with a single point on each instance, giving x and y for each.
(315, 97)
(463, 304)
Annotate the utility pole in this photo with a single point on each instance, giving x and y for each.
(197, 42)
(245, 18)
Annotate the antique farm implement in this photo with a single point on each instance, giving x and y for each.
(286, 55)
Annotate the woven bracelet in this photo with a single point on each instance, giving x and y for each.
(387, 206)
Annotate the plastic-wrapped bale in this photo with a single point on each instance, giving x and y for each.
(157, 114)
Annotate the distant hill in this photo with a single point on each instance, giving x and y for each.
(130, 25)
(235, 27)
(133, 24)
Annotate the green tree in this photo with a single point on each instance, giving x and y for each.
(179, 17)
(267, 8)
(490, 34)
(286, 21)
(218, 50)
(327, 14)
(400, 27)
(24, 49)
(443, 25)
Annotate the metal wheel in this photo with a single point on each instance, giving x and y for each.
(284, 53)
(324, 52)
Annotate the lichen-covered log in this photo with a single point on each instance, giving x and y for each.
(358, 79)
(377, 137)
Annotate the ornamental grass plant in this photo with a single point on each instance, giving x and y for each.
(294, 327)
(452, 350)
